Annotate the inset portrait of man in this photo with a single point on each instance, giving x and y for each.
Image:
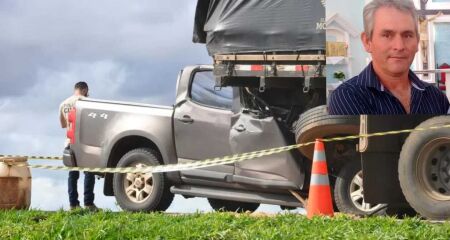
(387, 85)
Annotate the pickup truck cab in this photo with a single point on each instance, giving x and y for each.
(207, 122)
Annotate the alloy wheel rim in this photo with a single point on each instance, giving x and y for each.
(357, 195)
(138, 186)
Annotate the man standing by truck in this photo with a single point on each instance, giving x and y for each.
(387, 85)
(81, 90)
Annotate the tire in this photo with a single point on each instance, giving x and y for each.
(424, 170)
(232, 206)
(348, 183)
(157, 197)
(317, 123)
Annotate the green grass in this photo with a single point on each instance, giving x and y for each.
(81, 224)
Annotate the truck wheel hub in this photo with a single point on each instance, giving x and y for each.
(138, 183)
(138, 187)
(440, 170)
(434, 169)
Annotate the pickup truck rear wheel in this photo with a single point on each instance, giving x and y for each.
(141, 191)
(424, 169)
(349, 192)
(232, 206)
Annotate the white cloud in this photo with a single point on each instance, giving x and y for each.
(80, 28)
(190, 205)
(51, 34)
(46, 194)
(27, 131)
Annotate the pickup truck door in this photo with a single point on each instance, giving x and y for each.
(202, 122)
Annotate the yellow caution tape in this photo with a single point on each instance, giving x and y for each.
(33, 157)
(213, 161)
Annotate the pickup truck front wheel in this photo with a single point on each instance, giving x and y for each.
(141, 191)
(349, 192)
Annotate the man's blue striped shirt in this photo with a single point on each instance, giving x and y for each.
(364, 94)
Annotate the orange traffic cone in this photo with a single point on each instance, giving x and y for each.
(319, 199)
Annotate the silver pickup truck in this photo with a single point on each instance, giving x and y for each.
(207, 122)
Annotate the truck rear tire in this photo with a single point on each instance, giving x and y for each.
(317, 123)
(232, 206)
(141, 192)
(349, 192)
(424, 169)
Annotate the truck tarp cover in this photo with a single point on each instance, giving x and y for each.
(246, 26)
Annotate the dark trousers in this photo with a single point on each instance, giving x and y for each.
(89, 181)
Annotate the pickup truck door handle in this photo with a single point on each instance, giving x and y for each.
(186, 119)
(240, 128)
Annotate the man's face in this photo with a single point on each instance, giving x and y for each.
(394, 41)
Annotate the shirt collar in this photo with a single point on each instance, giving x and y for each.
(369, 79)
(416, 82)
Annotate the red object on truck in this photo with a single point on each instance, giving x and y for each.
(443, 78)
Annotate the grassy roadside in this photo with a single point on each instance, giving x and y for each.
(120, 225)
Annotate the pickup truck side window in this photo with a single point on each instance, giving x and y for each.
(203, 91)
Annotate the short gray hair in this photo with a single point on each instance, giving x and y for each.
(401, 5)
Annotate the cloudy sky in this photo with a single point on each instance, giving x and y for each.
(125, 50)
